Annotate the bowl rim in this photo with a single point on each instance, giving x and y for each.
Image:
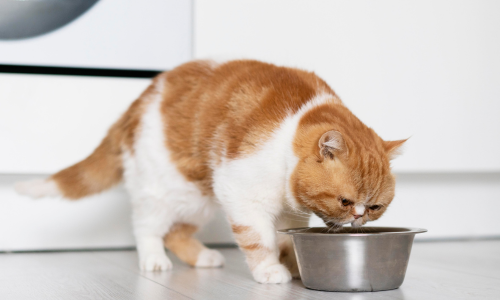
(301, 231)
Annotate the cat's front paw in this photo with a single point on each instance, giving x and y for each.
(209, 259)
(277, 273)
(155, 262)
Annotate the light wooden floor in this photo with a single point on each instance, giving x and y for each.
(444, 270)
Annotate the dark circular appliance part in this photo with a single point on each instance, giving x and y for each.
(21, 19)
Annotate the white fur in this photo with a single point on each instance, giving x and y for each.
(359, 209)
(160, 195)
(152, 254)
(38, 188)
(209, 258)
(255, 189)
(275, 273)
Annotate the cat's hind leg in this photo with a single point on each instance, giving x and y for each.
(181, 242)
(171, 222)
(166, 213)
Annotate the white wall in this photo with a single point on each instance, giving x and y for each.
(49, 122)
(428, 70)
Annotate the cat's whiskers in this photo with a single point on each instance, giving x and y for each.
(296, 211)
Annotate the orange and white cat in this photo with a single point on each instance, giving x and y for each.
(266, 142)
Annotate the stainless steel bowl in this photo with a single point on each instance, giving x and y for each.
(364, 259)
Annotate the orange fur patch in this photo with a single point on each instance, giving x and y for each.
(181, 242)
(102, 169)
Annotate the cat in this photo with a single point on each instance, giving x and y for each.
(270, 144)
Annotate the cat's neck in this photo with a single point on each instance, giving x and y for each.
(291, 128)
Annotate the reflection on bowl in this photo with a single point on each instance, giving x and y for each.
(21, 19)
(364, 259)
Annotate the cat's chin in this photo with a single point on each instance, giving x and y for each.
(356, 225)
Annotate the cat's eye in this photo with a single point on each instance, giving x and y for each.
(375, 207)
(345, 202)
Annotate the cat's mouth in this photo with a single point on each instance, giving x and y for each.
(333, 225)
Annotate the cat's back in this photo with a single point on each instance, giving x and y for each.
(227, 110)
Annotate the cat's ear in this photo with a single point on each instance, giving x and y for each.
(393, 148)
(330, 143)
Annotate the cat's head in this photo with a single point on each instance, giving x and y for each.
(344, 177)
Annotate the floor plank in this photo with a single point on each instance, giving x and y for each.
(480, 258)
(445, 270)
(73, 276)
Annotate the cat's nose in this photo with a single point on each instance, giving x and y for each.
(357, 216)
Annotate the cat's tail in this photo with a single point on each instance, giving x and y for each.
(98, 172)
